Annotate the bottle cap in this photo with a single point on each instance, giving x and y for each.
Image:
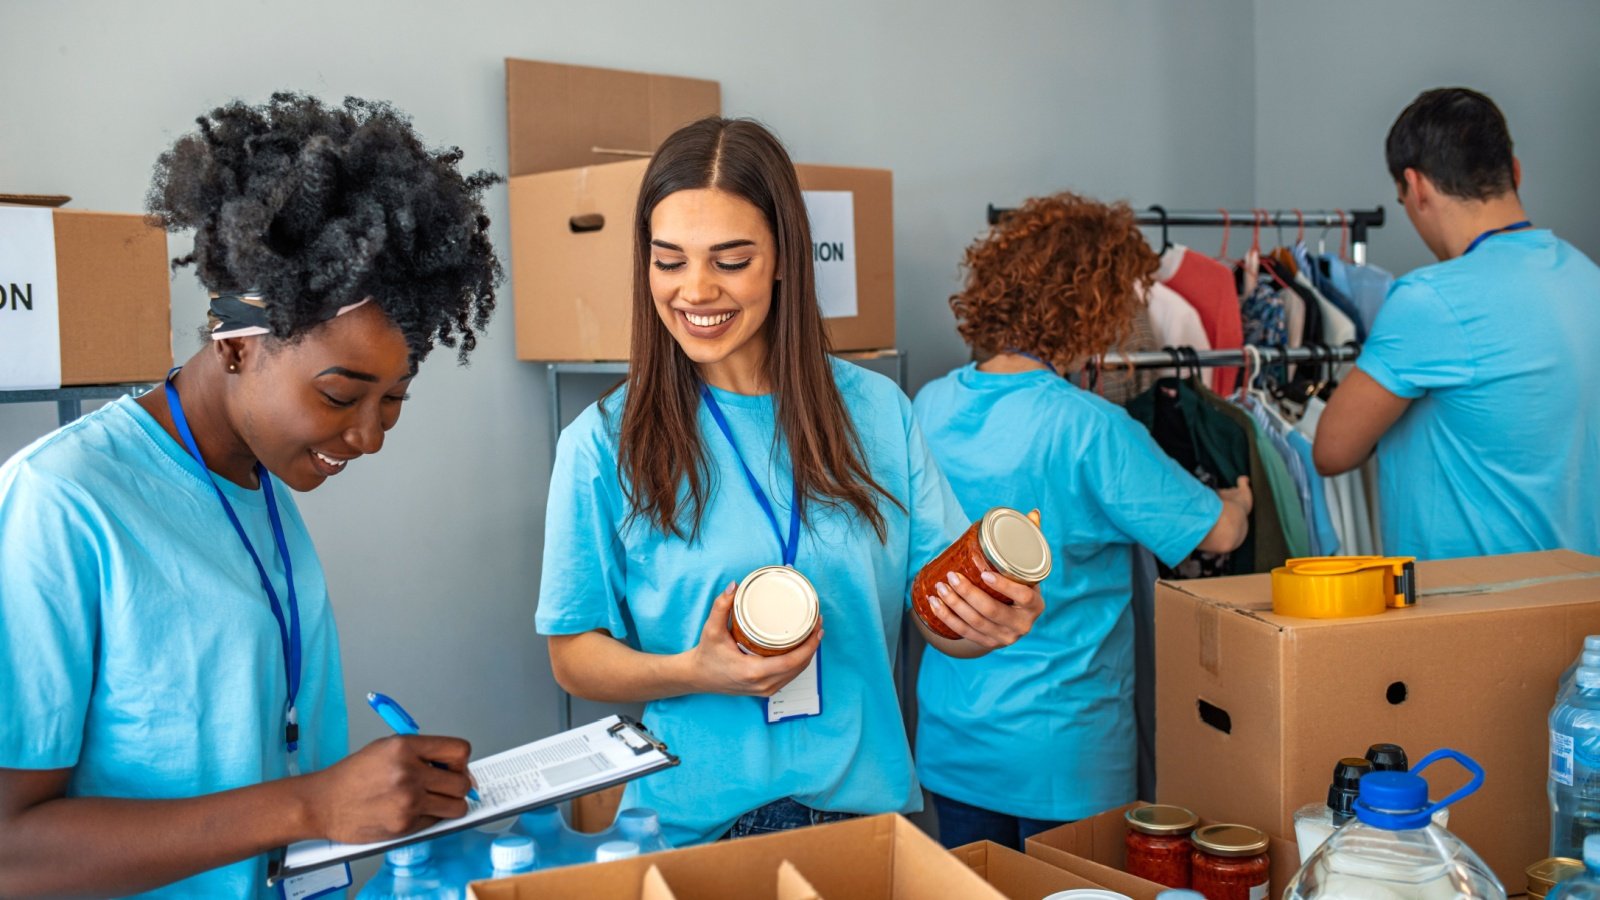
(1346, 787)
(1588, 678)
(1393, 801)
(1230, 840)
(1014, 545)
(776, 607)
(1387, 758)
(638, 823)
(611, 851)
(1161, 819)
(409, 855)
(512, 852)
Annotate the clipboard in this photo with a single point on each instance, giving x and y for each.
(555, 769)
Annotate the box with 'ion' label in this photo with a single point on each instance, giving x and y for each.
(84, 298)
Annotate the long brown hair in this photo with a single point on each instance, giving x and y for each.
(659, 447)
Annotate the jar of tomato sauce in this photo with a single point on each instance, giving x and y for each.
(1230, 862)
(775, 609)
(1004, 541)
(1158, 844)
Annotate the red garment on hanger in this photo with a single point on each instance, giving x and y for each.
(1208, 286)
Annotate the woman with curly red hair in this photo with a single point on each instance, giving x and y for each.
(1055, 284)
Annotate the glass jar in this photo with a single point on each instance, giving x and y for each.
(775, 609)
(1230, 863)
(1158, 844)
(1545, 874)
(1004, 541)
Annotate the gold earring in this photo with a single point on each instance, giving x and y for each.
(233, 367)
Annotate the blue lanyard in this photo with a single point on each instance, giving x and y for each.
(1514, 226)
(791, 547)
(288, 631)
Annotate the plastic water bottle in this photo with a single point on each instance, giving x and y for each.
(512, 854)
(1574, 783)
(551, 836)
(408, 874)
(1316, 822)
(611, 851)
(1589, 657)
(1393, 850)
(642, 826)
(1587, 885)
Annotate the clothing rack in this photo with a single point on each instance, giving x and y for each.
(1186, 358)
(1357, 220)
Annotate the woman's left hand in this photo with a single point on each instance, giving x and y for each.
(973, 611)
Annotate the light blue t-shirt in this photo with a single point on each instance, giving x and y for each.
(1044, 728)
(854, 757)
(1500, 448)
(136, 644)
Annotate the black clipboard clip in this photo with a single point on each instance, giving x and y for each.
(634, 735)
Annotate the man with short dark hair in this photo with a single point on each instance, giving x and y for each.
(1480, 382)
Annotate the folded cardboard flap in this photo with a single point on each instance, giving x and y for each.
(655, 886)
(564, 117)
(874, 858)
(794, 886)
(1017, 875)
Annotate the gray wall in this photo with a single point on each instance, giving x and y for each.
(432, 547)
(1332, 77)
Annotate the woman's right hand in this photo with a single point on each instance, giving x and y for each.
(717, 665)
(390, 788)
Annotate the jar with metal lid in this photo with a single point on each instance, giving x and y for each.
(1004, 541)
(1158, 844)
(1545, 874)
(1230, 862)
(775, 609)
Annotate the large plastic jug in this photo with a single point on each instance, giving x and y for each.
(1587, 885)
(1392, 850)
(408, 874)
(1574, 782)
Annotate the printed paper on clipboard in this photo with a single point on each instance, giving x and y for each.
(609, 752)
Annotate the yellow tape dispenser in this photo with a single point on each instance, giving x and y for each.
(1340, 587)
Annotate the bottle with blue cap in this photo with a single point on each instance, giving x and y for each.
(1587, 885)
(1394, 850)
(408, 874)
(1591, 644)
(1574, 782)
(512, 854)
(642, 826)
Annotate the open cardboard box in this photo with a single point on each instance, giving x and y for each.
(1095, 849)
(114, 304)
(1254, 709)
(580, 141)
(1017, 875)
(872, 858)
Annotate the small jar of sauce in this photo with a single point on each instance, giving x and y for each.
(1230, 862)
(1004, 541)
(1158, 844)
(775, 609)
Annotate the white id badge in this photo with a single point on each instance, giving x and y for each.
(799, 698)
(316, 884)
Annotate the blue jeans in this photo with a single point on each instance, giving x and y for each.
(960, 823)
(781, 815)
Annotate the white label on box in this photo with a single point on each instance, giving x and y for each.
(1561, 758)
(30, 321)
(833, 250)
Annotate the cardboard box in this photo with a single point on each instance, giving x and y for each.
(1017, 875)
(597, 811)
(580, 139)
(1094, 849)
(871, 858)
(1254, 709)
(113, 300)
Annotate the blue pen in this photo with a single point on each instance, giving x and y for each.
(402, 723)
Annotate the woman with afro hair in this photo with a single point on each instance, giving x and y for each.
(168, 659)
(1055, 284)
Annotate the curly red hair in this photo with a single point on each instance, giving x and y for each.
(1061, 278)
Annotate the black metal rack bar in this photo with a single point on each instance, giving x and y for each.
(1357, 220)
(1184, 358)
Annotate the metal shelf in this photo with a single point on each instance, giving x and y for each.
(69, 400)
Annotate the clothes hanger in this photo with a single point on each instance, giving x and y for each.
(1166, 239)
(1227, 228)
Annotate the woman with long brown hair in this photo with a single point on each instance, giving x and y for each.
(1054, 284)
(738, 443)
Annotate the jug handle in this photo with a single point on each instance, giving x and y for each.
(1465, 761)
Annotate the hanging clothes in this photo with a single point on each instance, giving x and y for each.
(1175, 322)
(1207, 285)
(1292, 488)
(1265, 319)
(1366, 286)
(1215, 448)
(1316, 269)
(1346, 496)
